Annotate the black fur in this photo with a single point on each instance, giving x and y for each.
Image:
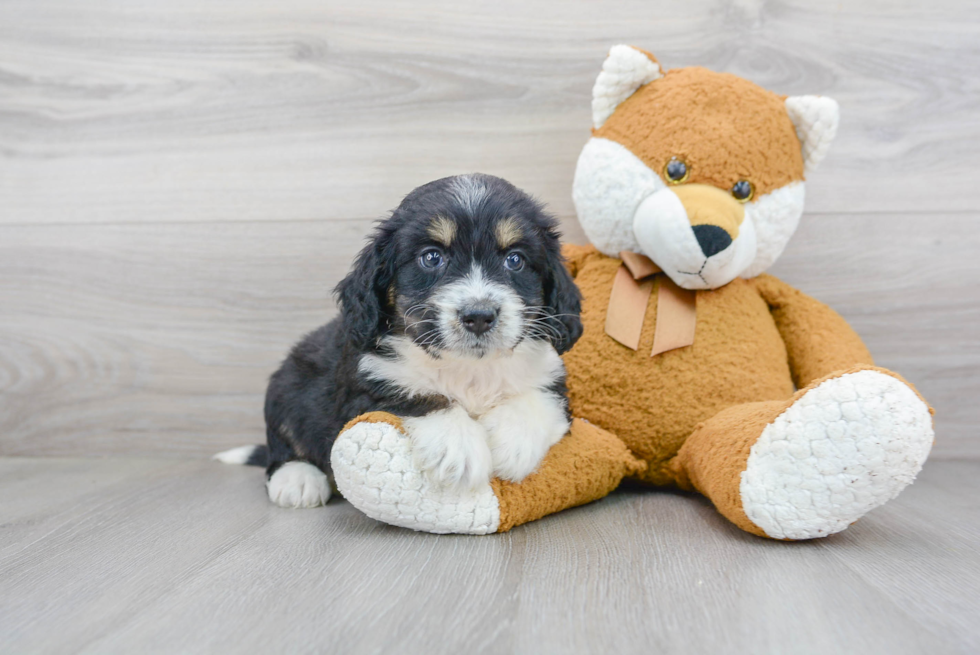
(258, 457)
(317, 390)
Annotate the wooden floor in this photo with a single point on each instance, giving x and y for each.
(183, 182)
(150, 555)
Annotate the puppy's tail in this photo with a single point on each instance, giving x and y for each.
(247, 455)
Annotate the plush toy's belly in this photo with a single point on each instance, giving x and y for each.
(654, 403)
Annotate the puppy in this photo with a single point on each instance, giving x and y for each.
(453, 318)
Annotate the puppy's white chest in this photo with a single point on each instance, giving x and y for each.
(478, 385)
(477, 389)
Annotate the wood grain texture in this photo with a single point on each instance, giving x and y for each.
(227, 110)
(151, 556)
(181, 184)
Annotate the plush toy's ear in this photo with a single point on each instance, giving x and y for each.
(625, 70)
(363, 294)
(816, 119)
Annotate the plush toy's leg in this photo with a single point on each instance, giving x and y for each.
(374, 470)
(810, 466)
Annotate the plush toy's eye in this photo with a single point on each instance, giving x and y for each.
(431, 258)
(514, 261)
(676, 171)
(743, 191)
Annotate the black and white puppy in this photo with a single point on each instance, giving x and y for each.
(453, 318)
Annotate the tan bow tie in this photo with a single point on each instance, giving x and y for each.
(676, 307)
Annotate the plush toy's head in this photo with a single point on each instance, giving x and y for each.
(700, 171)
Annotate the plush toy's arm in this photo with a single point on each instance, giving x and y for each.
(575, 256)
(818, 340)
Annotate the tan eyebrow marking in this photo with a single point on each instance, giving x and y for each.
(508, 232)
(443, 230)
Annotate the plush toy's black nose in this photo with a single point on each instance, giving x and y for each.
(478, 321)
(711, 238)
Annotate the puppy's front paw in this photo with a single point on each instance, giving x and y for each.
(298, 484)
(451, 448)
(522, 431)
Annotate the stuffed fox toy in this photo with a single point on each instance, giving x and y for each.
(696, 370)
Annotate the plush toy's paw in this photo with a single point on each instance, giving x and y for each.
(846, 446)
(522, 431)
(375, 470)
(297, 485)
(451, 448)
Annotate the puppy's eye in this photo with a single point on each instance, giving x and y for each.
(676, 171)
(514, 261)
(743, 191)
(431, 259)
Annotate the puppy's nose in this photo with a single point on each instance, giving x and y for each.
(478, 321)
(711, 238)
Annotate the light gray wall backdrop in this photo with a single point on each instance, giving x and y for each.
(183, 182)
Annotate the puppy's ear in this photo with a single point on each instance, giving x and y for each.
(562, 298)
(363, 294)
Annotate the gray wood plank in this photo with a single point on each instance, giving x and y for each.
(222, 110)
(158, 339)
(43, 495)
(193, 558)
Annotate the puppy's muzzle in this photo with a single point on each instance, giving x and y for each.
(479, 320)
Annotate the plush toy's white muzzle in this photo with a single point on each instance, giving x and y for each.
(703, 256)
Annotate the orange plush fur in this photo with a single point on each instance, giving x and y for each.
(726, 128)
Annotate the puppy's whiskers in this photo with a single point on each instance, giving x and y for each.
(543, 311)
(539, 333)
(413, 321)
(426, 338)
(538, 323)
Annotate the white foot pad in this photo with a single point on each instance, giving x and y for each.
(373, 467)
(298, 484)
(844, 448)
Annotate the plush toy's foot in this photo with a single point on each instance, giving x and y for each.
(812, 466)
(373, 467)
(374, 470)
